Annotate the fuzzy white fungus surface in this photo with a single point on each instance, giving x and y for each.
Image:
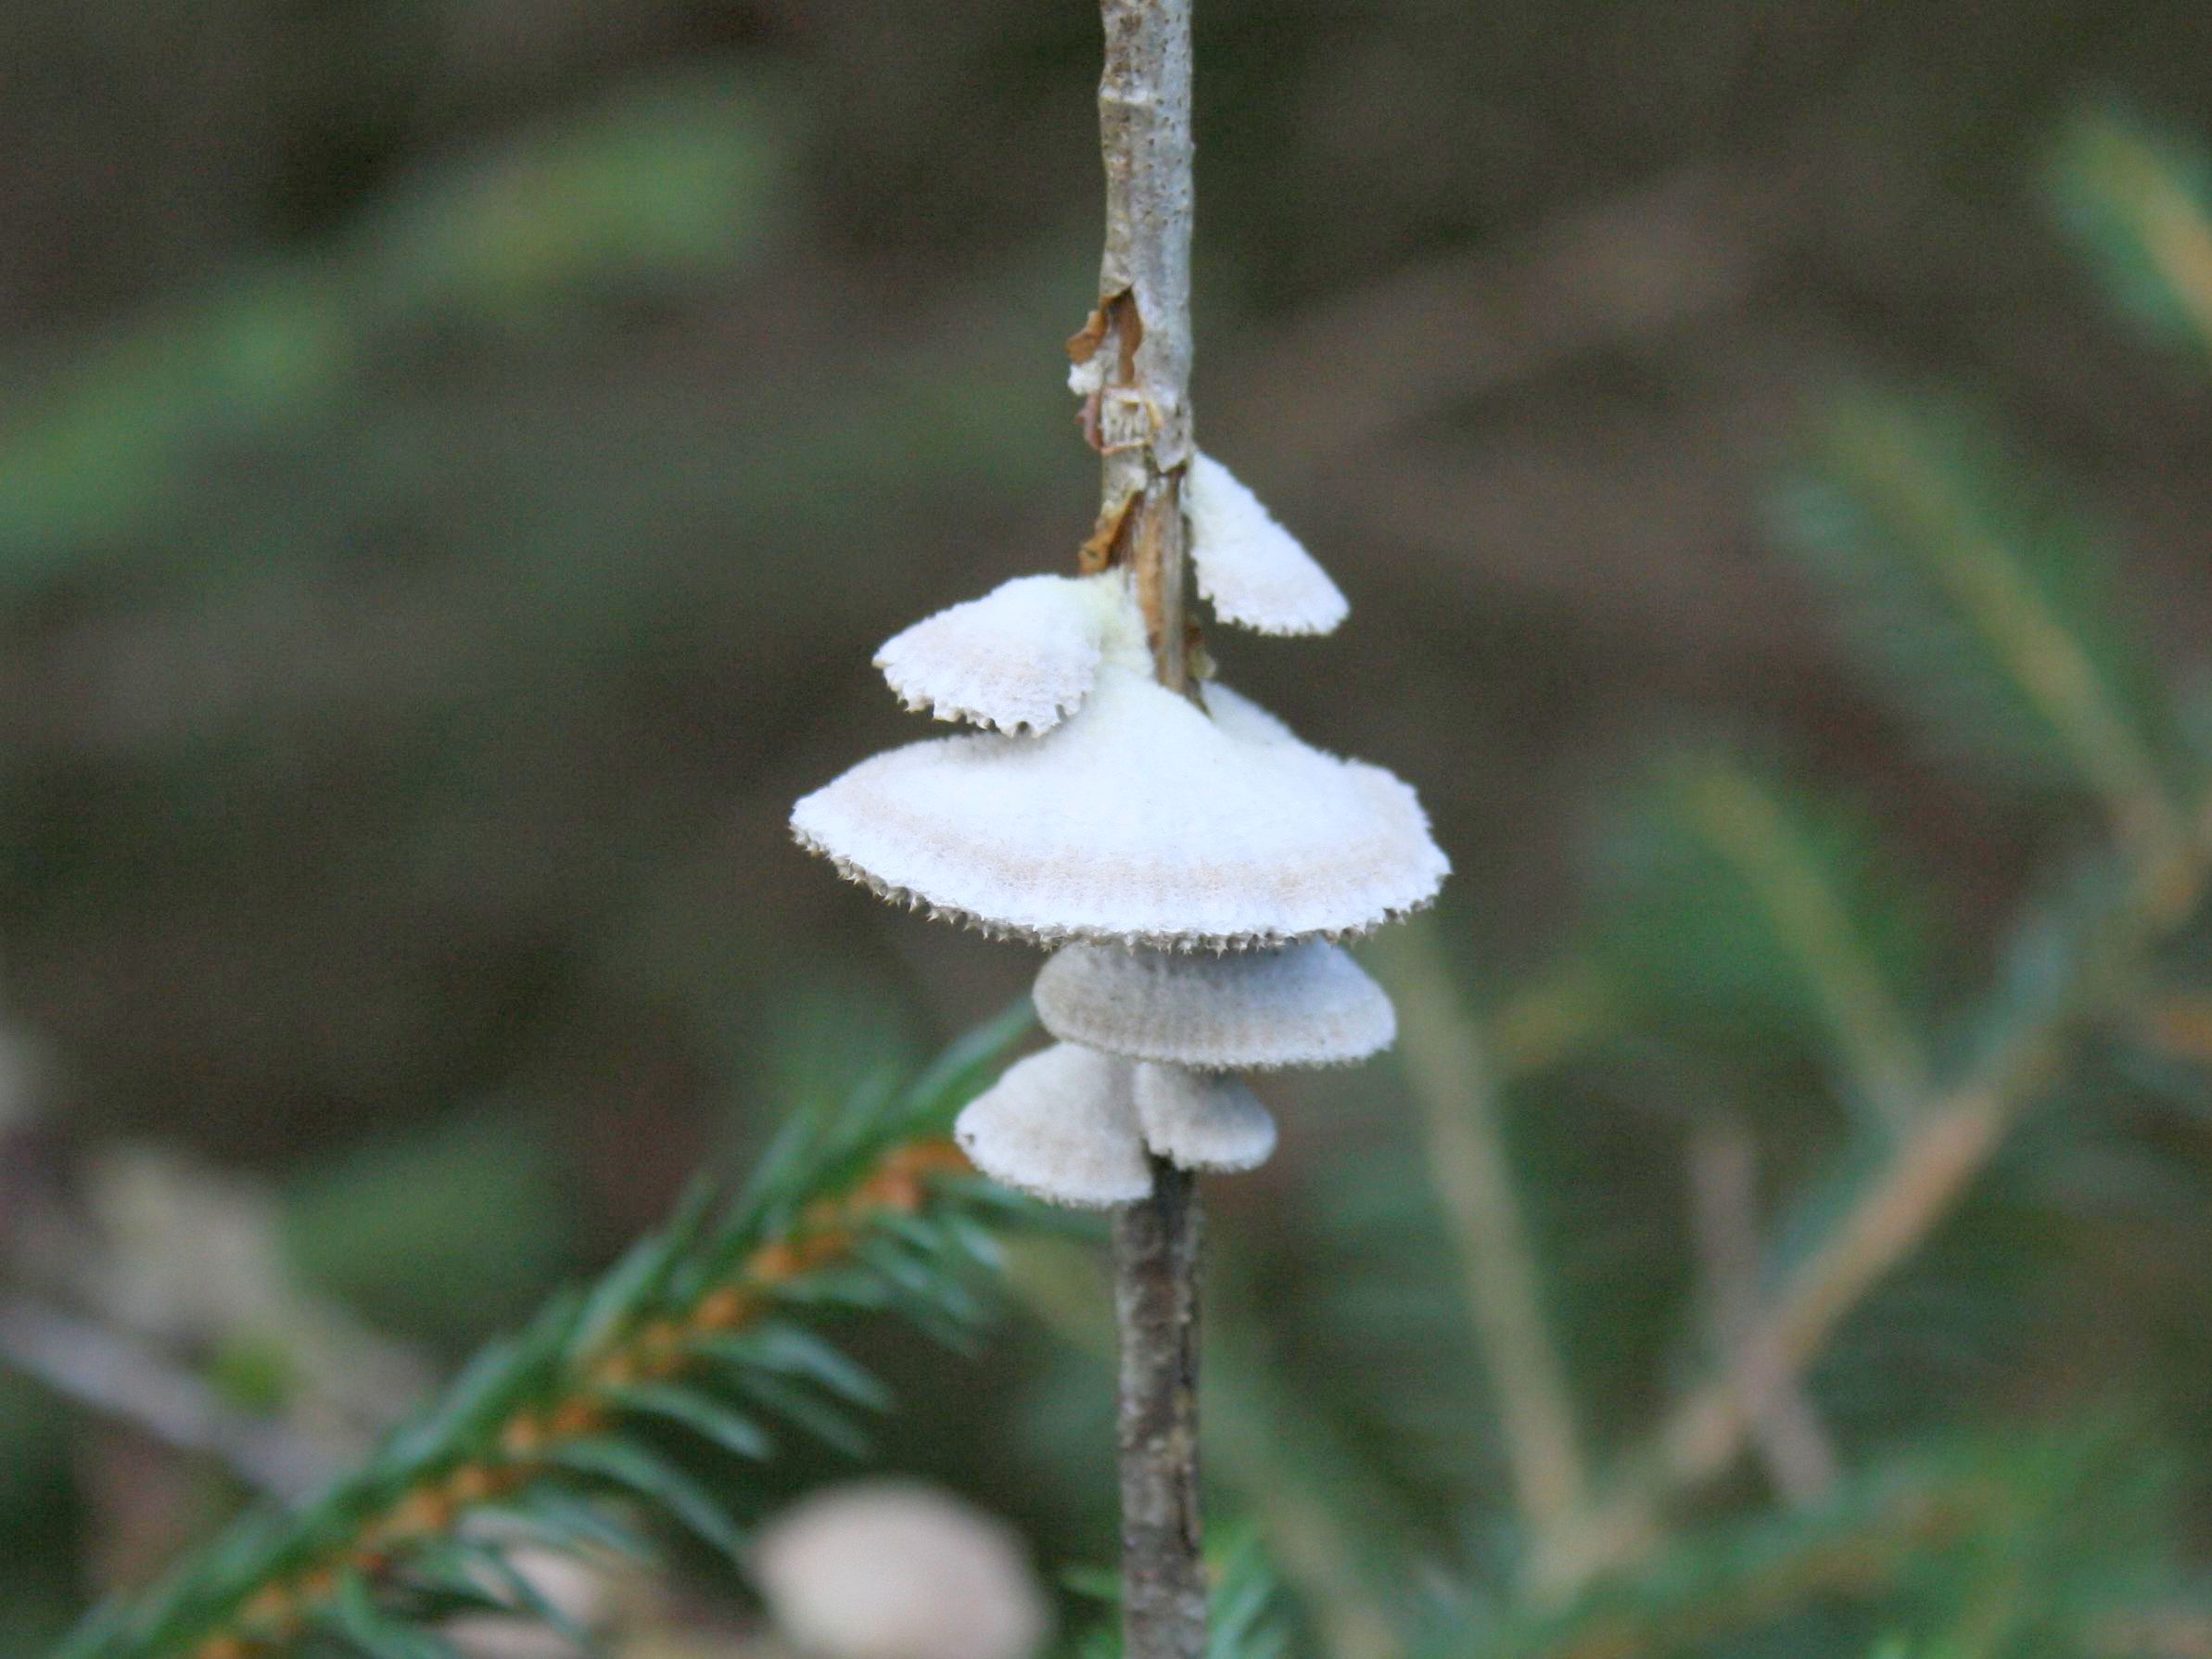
(1303, 1005)
(1255, 572)
(1060, 1125)
(1137, 819)
(1202, 1119)
(1241, 717)
(1022, 657)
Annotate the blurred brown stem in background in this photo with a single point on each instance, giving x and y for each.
(117, 1378)
(1917, 1183)
(1455, 1090)
(1581, 1528)
(1723, 1182)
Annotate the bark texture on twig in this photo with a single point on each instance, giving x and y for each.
(1155, 1300)
(1140, 338)
(1137, 350)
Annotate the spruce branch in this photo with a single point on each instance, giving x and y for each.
(1854, 1237)
(700, 1331)
(1981, 590)
(1818, 925)
(1139, 340)
(2139, 200)
(1946, 1534)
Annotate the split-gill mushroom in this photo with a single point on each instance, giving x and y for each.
(1188, 959)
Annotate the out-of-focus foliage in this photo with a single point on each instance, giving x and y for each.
(436, 1234)
(661, 189)
(35, 1505)
(699, 1337)
(1755, 908)
(1971, 579)
(2139, 198)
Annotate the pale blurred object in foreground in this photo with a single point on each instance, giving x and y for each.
(890, 1570)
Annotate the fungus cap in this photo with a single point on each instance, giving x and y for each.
(1254, 572)
(1202, 1119)
(1302, 1005)
(1138, 820)
(1023, 656)
(1241, 717)
(1060, 1125)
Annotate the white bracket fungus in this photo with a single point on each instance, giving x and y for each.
(1060, 1125)
(1202, 1119)
(1305, 1004)
(1058, 836)
(1255, 572)
(1148, 833)
(1023, 656)
(1242, 719)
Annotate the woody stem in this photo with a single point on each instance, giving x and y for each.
(1144, 431)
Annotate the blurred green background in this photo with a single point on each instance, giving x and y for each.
(456, 460)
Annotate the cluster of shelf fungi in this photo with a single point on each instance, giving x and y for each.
(1192, 863)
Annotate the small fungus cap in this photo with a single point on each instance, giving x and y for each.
(1254, 571)
(1022, 657)
(1303, 1005)
(1138, 820)
(1060, 1125)
(1202, 1119)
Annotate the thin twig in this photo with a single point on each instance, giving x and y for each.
(1454, 1087)
(1155, 1305)
(1266, 1446)
(1792, 1440)
(1137, 350)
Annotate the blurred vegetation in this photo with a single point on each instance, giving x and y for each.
(458, 458)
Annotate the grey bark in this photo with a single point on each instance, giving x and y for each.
(1140, 338)
(1155, 1296)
